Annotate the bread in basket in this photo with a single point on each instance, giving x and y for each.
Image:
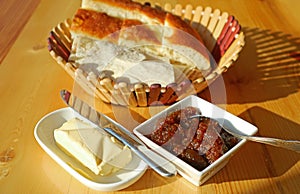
(221, 35)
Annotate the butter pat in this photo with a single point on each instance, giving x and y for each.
(103, 156)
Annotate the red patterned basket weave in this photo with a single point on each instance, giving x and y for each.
(221, 34)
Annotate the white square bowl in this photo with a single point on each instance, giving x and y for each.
(209, 110)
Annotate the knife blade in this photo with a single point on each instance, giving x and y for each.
(158, 163)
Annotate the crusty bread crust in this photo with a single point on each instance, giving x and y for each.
(95, 24)
(127, 9)
(132, 24)
(99, 25)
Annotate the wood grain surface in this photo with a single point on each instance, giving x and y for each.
(262, 87)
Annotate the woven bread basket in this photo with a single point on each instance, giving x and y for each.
(221, 34)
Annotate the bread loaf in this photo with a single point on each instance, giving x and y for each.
(109, 28)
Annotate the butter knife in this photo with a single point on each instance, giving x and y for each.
(159, 164)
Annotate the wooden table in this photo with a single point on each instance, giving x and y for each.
(262, 88)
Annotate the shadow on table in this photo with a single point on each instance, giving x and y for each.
(267, 68)
(258, 161)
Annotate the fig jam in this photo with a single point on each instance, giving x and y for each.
(197, 141)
